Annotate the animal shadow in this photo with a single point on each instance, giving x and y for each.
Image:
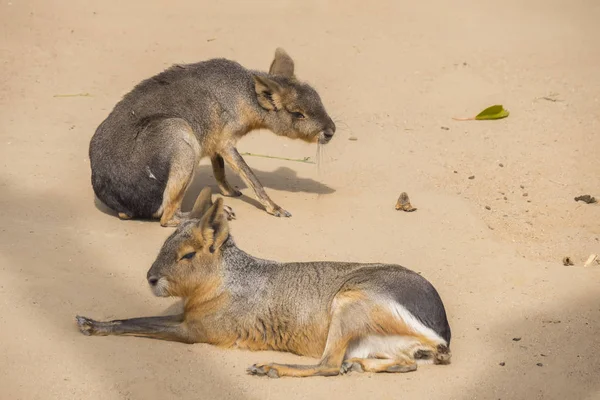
(283, 178)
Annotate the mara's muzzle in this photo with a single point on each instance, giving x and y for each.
(326, 136)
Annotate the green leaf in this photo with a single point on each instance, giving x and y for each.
(493, 112)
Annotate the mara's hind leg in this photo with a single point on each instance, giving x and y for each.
(400, 364)
(184, 158)
(373, 334)
(179, 180)
(402, 361)
(349, 321)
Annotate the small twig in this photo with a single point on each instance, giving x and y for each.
(73, 95)
(551, 97)
(463, 119)
(303, 160)
(548, 99)
(557, 182)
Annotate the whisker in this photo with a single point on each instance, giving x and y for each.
(319, 157)
(340, 122)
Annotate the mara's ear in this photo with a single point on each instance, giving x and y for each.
(268, 93)
(214, 228)
(282, 64)
(203, 203)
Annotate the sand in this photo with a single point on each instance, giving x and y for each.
(392, 74)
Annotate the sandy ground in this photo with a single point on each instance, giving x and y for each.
(392, 73)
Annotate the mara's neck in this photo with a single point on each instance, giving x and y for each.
(255, 118)
(235, 258)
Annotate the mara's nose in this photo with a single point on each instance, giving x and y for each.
(152, 280)
(328, 133)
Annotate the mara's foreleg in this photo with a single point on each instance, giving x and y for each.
(172, 327)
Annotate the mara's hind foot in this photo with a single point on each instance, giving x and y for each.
(124, 216)
(274, 370)
(443, 355)
(170, 223)
(377, 365)
(229, 213)
(182, 216)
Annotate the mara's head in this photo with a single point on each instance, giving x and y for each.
(189, 260)
(294, 109)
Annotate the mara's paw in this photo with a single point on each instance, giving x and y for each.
(262, 370)
(442, 355)
(377, 365)
(172, 223)
(349, 366)
(443, 359)
(231, 192)
(229, 212)
(86, 325)
(402, 368)
(423, 354)
(279, 212)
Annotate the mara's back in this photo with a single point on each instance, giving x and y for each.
(193, 92)
(307, 290)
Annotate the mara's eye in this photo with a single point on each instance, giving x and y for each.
(188, 256)
(298, 115)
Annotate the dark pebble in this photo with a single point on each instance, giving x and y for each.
(472, 177)
(516, 339)
(539, 364)
(502, 364)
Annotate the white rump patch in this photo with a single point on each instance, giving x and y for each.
(395, 346)
(412, 322)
